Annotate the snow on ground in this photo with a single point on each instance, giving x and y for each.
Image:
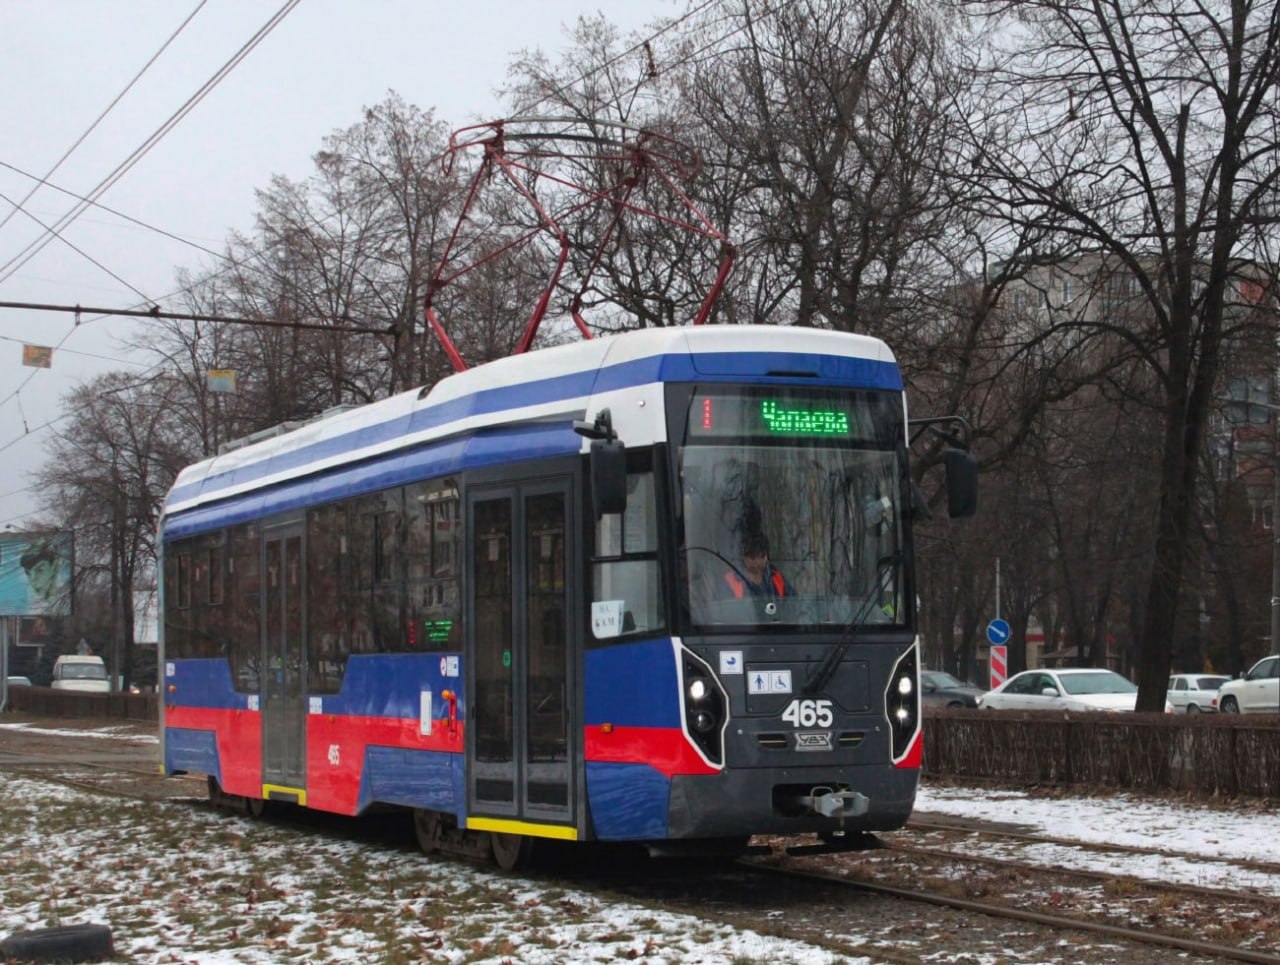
(1225, 838)
(1121, 819)
(181, 885)
(129, 732)
(178, 885)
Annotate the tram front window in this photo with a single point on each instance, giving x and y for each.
(791, 508)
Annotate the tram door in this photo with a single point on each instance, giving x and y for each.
(521, 610)
(284, 712)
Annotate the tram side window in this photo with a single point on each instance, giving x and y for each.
(214, 571)
(328, 616)
(195, 619)
(177, 599)
(243, 588)
(208, 631)
(374, 536)
(432, 549)
(625, 580)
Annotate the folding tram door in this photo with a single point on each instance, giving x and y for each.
(521, 746)
(284, 698)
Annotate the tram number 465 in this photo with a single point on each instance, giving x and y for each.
(808, 713)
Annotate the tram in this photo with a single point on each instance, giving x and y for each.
(518, 603)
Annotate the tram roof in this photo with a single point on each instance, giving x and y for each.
(553, 385)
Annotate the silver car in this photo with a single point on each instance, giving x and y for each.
(1193, 693)
(1257, 692)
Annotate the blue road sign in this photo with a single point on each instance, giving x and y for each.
(998, 631)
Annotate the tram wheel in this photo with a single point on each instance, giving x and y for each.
(428, 830)
(510, 851)
(256, 807)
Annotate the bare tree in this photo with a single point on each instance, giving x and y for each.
(833, 114)
(616, 118)
(1146, 132)
(106, 479)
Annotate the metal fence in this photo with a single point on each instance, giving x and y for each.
(1216, 754)
(47, 702)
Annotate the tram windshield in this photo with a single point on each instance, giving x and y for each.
(791, 507)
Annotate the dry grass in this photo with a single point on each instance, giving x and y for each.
(178, 882)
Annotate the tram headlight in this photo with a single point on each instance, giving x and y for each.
(706, 707)
(902, 703)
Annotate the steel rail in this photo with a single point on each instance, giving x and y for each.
(1118, 932)
(1171, 887)
(926, 824)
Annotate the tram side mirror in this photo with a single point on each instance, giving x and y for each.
(608, 476)
(962, 482)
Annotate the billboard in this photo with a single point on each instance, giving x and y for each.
(35, 574)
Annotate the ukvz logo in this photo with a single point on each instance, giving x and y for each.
(813, 741)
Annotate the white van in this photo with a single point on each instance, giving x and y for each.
(81, 673)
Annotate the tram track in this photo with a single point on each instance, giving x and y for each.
(1036, 891)
(1102, 877)
(902, 862)
(1058, 922)
(147, 783)
(933, 824)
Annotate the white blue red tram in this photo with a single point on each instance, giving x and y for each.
(515, 603)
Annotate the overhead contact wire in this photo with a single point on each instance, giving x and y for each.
(116, 100)
(35, 247)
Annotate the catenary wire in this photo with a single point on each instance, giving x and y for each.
(16, 263)
(35, 247)
(92, 199)
(17, 206)
(107, 110)
(71, 351)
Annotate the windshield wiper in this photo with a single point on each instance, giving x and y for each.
(822, 674)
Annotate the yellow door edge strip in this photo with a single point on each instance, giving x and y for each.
(507, 826)
(280, 790)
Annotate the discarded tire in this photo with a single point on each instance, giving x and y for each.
(67, 943)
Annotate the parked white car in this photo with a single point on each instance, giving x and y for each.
(1193, 693)
(1069, 688)
(72, 672)
(1257, 692)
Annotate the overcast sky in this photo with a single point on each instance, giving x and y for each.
(62, 62)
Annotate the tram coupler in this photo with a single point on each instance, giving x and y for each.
(831, 803)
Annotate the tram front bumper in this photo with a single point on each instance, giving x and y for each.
(798, 800)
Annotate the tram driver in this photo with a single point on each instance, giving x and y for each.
(757, 577)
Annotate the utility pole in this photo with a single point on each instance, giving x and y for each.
(1275, 519)
(997, 587)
